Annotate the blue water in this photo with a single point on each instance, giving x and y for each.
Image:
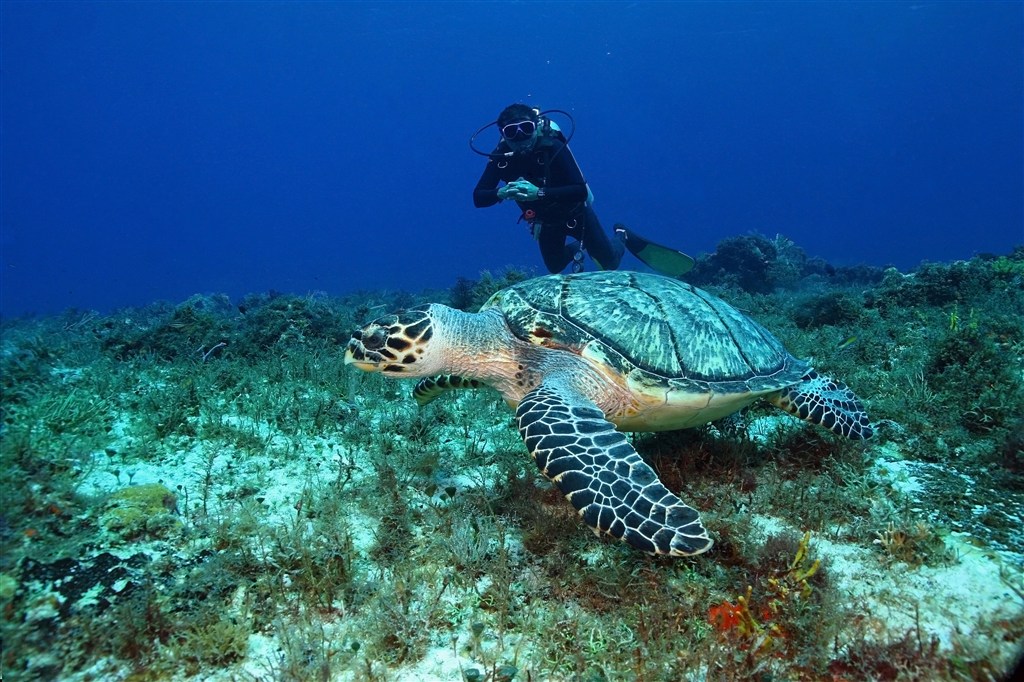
(156, 150)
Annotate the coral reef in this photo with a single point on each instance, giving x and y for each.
(201, 491)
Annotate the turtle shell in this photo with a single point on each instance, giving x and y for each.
(671, 332)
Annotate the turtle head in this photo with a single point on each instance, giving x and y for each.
(397, 344)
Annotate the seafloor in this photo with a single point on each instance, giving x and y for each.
(202, 491)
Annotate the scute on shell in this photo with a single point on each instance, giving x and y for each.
(673, 331)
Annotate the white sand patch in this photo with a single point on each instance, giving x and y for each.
(966, 599)
(899, 475)
(207, 475)
(440, 664)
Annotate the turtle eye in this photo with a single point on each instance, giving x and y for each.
(375, 339)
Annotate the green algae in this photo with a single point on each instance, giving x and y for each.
(141, 511)
(313, 524)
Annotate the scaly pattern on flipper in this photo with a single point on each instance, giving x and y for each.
(604, 478)
(431, 388)
(823, 400)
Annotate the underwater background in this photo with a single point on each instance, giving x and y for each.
(156, 150)
(201, 202)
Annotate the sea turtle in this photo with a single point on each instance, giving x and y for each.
(583, 357)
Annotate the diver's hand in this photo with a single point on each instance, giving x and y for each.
(524, 190)
(515, 190)
(509, 191)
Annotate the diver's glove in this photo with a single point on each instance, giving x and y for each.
(525, 190)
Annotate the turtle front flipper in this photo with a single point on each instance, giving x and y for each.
(601, 474)
(431, 388)
(823, 400)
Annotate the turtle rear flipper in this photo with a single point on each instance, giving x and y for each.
(827, 402)
(600, 473)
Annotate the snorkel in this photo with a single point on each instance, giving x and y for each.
(545, 122)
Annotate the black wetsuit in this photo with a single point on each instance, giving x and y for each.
(563, 212)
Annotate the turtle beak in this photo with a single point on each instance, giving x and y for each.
(350, 359)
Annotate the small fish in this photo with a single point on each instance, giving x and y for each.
(850, 340)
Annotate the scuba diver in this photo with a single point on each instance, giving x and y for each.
(541, 175)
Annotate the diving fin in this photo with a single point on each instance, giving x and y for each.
(660, 258)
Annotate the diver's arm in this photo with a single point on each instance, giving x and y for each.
(486, 192)
(566, 193)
